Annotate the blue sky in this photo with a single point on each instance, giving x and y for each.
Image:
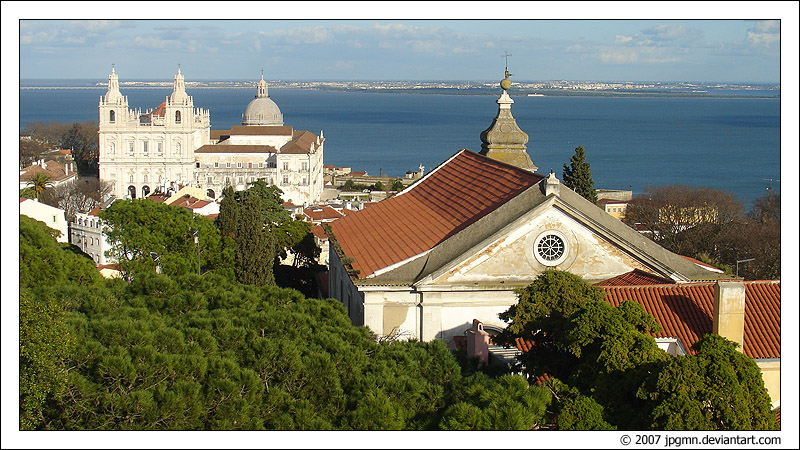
(379, 48)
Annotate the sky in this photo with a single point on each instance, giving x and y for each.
(370, 45)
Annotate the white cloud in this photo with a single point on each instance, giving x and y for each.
(766, 33)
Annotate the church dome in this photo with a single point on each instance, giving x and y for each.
(262, 110)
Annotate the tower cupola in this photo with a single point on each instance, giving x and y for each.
(504, 140)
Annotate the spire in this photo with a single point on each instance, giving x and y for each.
(179, 95)
(504, 140)
(262, 87)
(113, 95)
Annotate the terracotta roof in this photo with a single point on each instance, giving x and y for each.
(448, 199)
(635, 277)
(94, 212)
(323, 214)
(54, 170)
(302, 142)
(260, 130)
(318, 232)
(685, 311)
(703, 265)
(159, 110)
(234, 148)
(347, 211)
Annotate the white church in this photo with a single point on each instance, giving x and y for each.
(172, 145)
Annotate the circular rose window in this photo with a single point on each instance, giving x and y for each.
(550, 248)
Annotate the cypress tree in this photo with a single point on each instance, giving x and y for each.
(578, 176)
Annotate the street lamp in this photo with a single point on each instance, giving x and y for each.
(196, 234)
(157, 259)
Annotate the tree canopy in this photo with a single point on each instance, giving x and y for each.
(710, 225)
(137, 227)
(609, 372)
(578, 175)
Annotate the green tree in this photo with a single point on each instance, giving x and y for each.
(578, 175)
(397, 185)
(505, 403)
(719, 388)
(255, 245)
(38, 185)
(45, 341)
(137, 227)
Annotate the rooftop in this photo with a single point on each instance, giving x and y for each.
(448, 199)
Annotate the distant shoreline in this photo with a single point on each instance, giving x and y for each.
(449, 91)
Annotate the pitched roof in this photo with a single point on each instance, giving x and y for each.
(322, 214)
(685, 311)
(703, 265)
(635, 277)
(54, 170)
(302, 142)
(448, 199)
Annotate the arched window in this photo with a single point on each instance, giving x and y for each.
(177, 147)
(132, 190)
(111, 115)
(177, 117)
(145, 190)
(210, 193)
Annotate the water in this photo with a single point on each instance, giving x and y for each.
(725, 143)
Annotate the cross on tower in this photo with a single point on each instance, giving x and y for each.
(506, 55)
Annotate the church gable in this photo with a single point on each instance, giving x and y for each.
(545, 238)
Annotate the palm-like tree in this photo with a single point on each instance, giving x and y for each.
(39, 183)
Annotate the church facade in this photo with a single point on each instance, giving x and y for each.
(453, 247)
(172, 145)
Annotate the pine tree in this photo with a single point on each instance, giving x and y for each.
(578, 176)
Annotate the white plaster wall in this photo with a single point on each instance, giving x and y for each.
(52, 217)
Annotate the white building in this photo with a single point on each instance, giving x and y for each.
(87, 233)
(52, 217)
(174, 143)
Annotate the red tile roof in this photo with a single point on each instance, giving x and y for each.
(685, 311)
(326, 213)
(318, 232)
(303, 142)
(635, 277)
(451, 197)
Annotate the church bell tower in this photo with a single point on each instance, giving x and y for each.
(504, 140)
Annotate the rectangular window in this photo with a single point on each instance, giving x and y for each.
(160, 148)
(130, 148)
(216, 164)
(286, 166)
(240, 180)
(239, 165)
(144, 147)
(209, 181)
(229, 165)
(305, 166)
(285, 179)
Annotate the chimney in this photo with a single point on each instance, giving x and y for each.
(478, 342)
(728, 320)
